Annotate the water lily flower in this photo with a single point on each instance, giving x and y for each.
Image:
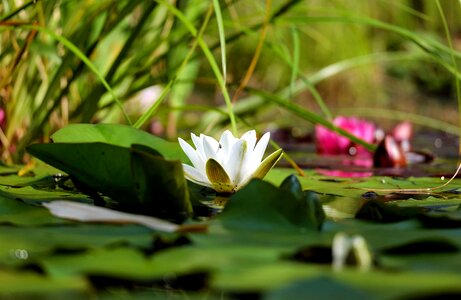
(2, 118)
(330, 143)
(229, 164)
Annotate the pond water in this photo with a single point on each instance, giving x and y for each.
(443, 146)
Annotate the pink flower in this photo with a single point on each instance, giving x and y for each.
(330, 143)
(2, 118)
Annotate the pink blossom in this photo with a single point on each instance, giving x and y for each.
(2, 118)
(330, 143)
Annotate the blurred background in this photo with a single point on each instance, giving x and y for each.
(165, 63)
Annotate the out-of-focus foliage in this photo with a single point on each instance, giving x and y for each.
(139, 46)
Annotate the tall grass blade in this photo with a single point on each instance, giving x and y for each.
(17, 10)
(198, 36)
(222, 37)
(429, 45)
(295, 65)
(74, 49)
(257, 53)
(455, 66)
(211, 60)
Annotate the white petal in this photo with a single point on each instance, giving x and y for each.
(192, 154)
(252, 159)
(210, 147)
(260, 148)
(226, 141)
(250, 137)
(195, 176)
(234, 161)
(198, 142)
(90, 213)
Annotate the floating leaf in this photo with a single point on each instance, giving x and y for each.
(317, 288)
(124, 263)
(14, 211)
(160, 185)
(119, 135)
(29, 285)
(435, 245)
(262, 206)
(379, 212)
(292, 185)
(21, 245)
(90, 213)
(102, 167)
(139, 181)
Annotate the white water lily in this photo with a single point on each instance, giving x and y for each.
(229, 164)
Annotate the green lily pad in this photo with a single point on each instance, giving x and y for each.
(124, 263)
(138, 180)
(317, 288)
(37, 242)
(262, 206)
(15, 211)
(119, 135)
(38, 175)
(29, 285)
(160, 185)
(356, 187)
(99, 166)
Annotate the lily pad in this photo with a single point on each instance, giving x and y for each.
(14, 211)
(119, 135)
(37, 242)
(317, 288)
(139, 181)
(262, 206)
(29, 285)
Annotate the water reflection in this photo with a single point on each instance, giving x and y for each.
(351, 167)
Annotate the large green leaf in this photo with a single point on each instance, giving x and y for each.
(317, 288)
(124, 263)
(131, 263)
(380, 284)
(120, 135)
(315, 214)
(102, 167)
(356, 187)
(15, 211)
(137, 178)
(31, 195)
(30, 285)
(262, 206)
(39, 242)
(160, 185)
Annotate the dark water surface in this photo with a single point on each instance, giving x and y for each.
(443, 146)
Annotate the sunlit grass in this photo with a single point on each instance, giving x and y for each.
(83, 67)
